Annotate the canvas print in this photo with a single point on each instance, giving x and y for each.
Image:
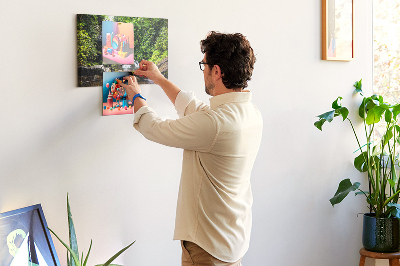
(117, 44)
(115, 100)
(25, 239)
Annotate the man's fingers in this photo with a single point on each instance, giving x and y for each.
(139, 72)
(131, 80)
(123, 85)
(143, 64)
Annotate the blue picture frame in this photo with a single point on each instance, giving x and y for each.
(25, 238)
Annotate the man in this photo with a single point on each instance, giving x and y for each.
(220, 142)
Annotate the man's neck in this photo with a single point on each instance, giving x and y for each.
(218, 90)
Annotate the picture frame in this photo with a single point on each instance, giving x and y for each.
(338, 30)
(25, 238)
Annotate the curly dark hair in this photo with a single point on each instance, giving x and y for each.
(233, 54)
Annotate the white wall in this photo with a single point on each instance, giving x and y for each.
(122, 187)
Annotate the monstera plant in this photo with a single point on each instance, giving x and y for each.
(73, 256)
(378, 157)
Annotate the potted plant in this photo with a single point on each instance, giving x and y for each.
(73, 253)
(379, 158)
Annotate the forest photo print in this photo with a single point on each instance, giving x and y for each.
(118, 44)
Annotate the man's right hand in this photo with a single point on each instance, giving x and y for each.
(149, 70)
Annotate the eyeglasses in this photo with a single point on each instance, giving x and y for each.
(201, 65)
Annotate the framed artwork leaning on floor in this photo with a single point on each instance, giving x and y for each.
(25, 238)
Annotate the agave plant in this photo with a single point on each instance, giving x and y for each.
(73, 253)
(379, 159)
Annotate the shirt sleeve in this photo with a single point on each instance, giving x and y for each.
(186, 103)
(196, 131)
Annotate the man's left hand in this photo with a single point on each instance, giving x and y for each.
(132, 88)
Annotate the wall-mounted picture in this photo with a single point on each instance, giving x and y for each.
(117, 44)
(25, 239)
(115, 100)
(338, 30)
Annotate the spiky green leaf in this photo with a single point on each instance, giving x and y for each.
(87, 256)
(108, 265)
(75, 257)
(72, 235)
(117, 254)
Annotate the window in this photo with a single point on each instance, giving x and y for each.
(386, 23)
(386, 29)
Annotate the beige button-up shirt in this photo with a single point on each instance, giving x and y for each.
(220, 145)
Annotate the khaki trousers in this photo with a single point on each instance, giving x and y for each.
(192, 254)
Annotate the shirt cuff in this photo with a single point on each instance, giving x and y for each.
(182, 101)
(143, 110)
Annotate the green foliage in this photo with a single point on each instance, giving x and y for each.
(358, 86)
(345, 187)
(338, 110)
(89, 39)
(73, 253)
(86, 48)
(72, 236)
(378, 159)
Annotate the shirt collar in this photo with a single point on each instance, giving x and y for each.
(229, 98)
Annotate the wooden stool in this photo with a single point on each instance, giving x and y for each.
(392, 257)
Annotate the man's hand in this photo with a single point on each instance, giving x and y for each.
(132, 88)
(149, 70)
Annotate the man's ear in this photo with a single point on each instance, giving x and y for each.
(216, 72)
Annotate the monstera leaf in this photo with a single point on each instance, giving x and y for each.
(345, 187)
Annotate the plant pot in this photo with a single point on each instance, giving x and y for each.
(381, 234)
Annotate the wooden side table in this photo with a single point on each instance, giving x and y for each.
(392, 257)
